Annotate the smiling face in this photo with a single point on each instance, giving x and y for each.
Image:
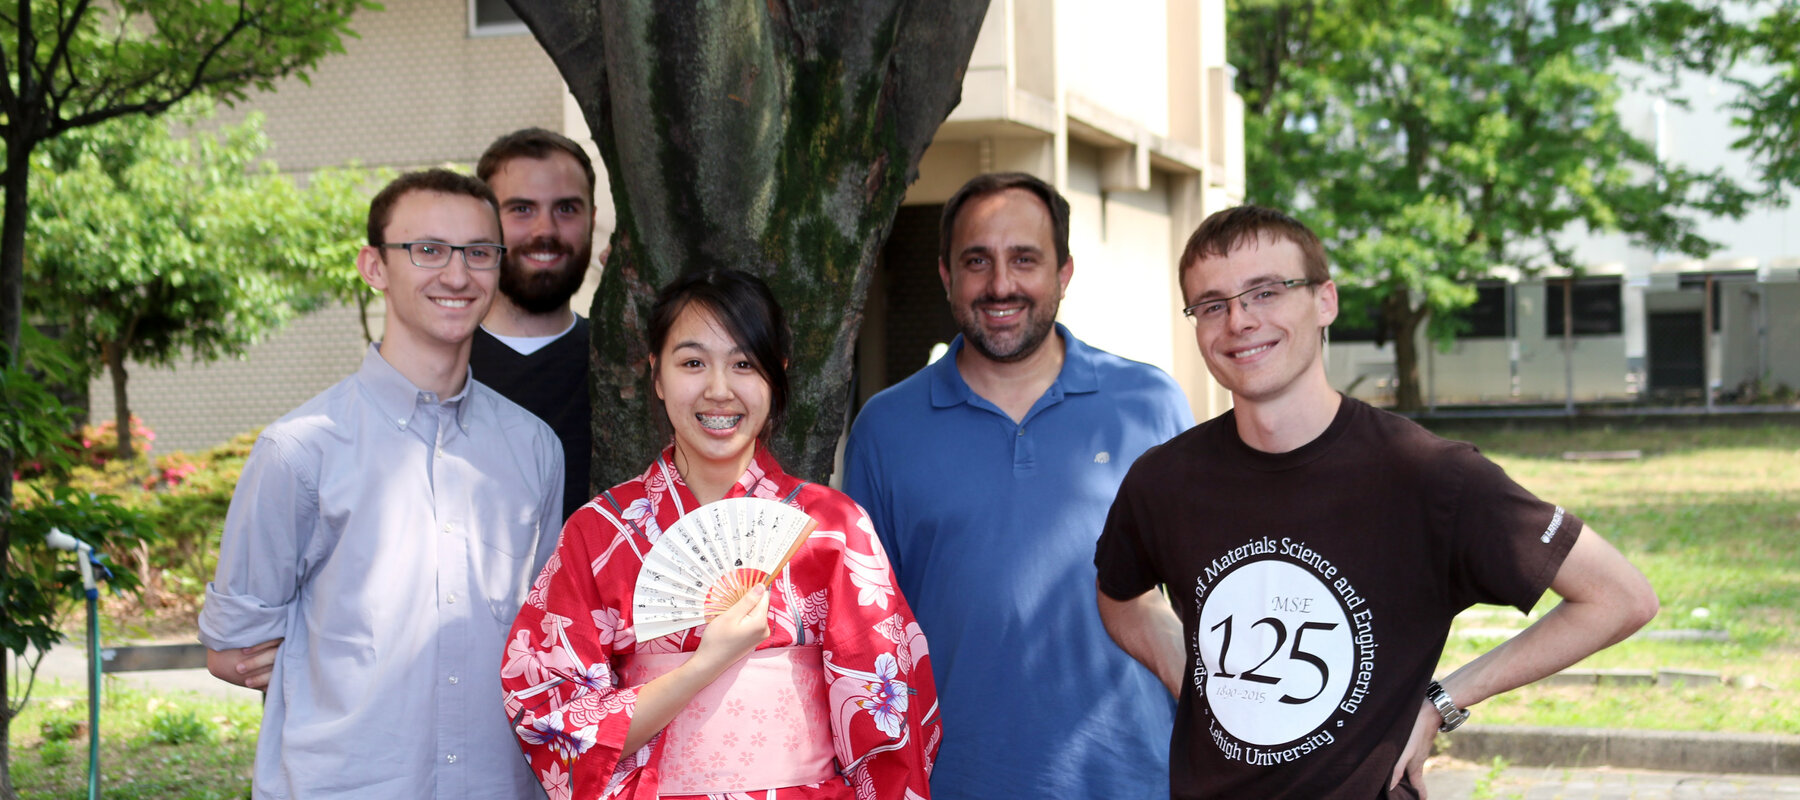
(1265, 354)
(547, 211)
(717, 401)
(432, 309)
(1003, 282)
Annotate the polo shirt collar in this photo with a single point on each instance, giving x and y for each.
(1080, 372)
(398, 398)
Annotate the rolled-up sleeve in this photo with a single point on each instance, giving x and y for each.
(273, 511)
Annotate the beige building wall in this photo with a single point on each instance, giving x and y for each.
(1120, 297)
(194, 406)
(416, 89)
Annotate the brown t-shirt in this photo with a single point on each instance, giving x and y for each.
(1325, 580)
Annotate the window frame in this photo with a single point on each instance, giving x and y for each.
(479, 29)
(1553, 291)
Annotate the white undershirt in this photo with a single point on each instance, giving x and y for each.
(526, 345)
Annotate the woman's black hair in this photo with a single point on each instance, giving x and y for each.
(752, 318)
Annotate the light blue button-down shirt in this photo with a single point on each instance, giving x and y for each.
(390, 537)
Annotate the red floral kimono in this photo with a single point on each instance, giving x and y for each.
(571, 711)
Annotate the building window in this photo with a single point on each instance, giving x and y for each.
(492, 17)
(1488, 317)
(1599, 309)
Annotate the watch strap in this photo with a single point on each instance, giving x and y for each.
(1453, 717)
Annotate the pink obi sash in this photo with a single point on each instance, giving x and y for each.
(763, 724)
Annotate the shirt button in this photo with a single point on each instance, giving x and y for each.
(452, 680)
(451, 599)
(400, 422)
(447, 527)
(440, 452)
(450, 758)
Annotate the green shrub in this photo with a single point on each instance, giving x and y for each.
(54, 753)
(182, 497)
(172, 724)
(62, 729)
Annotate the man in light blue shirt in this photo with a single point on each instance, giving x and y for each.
(988, 475)
(384, 534)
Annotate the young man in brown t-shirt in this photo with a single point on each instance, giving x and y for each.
(1316, 550)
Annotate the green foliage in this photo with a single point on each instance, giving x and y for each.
(150, 247)
(173, 724)
(39, 580)
(92, 62)
(181, 496)
(54, 753)
(1430, 141)
(139, 766)
(62, 728)
(1768, 108)
(34, 423)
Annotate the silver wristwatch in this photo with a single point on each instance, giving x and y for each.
(1453, 717)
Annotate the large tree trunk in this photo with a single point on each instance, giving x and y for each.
(774, 137)
(1403, 322)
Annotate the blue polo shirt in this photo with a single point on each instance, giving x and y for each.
(990, 525)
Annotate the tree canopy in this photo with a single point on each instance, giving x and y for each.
(1768, 108)
(155, 248)
(1430, 141)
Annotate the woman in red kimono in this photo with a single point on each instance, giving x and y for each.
(852, 711)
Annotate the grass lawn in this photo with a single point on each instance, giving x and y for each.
(1712, 517)
(186, 747)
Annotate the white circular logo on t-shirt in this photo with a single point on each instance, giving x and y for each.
(1278, 651)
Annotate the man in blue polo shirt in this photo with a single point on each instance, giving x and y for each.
(988, 475)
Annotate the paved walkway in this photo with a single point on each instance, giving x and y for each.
(1461, 780)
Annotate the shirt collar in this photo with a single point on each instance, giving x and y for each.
(398, 398)
(1080, 372)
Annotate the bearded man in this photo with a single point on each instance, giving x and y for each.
(988, 475)
(532, 347)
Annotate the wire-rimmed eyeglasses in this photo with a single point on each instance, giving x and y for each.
(436, 255)
(1213, 310)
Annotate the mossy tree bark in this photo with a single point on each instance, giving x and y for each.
(776, 137)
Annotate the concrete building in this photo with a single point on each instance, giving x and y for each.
(1126, 107)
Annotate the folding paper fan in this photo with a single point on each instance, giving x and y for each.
(708, 559)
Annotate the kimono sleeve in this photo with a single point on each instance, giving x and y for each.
(561, 696)
(884, 715)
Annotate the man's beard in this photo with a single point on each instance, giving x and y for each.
(539, 291)
(1017, 346)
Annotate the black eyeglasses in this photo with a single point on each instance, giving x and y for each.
(1256, 297)
(436, 255)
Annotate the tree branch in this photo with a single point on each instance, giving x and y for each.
(63, 35)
